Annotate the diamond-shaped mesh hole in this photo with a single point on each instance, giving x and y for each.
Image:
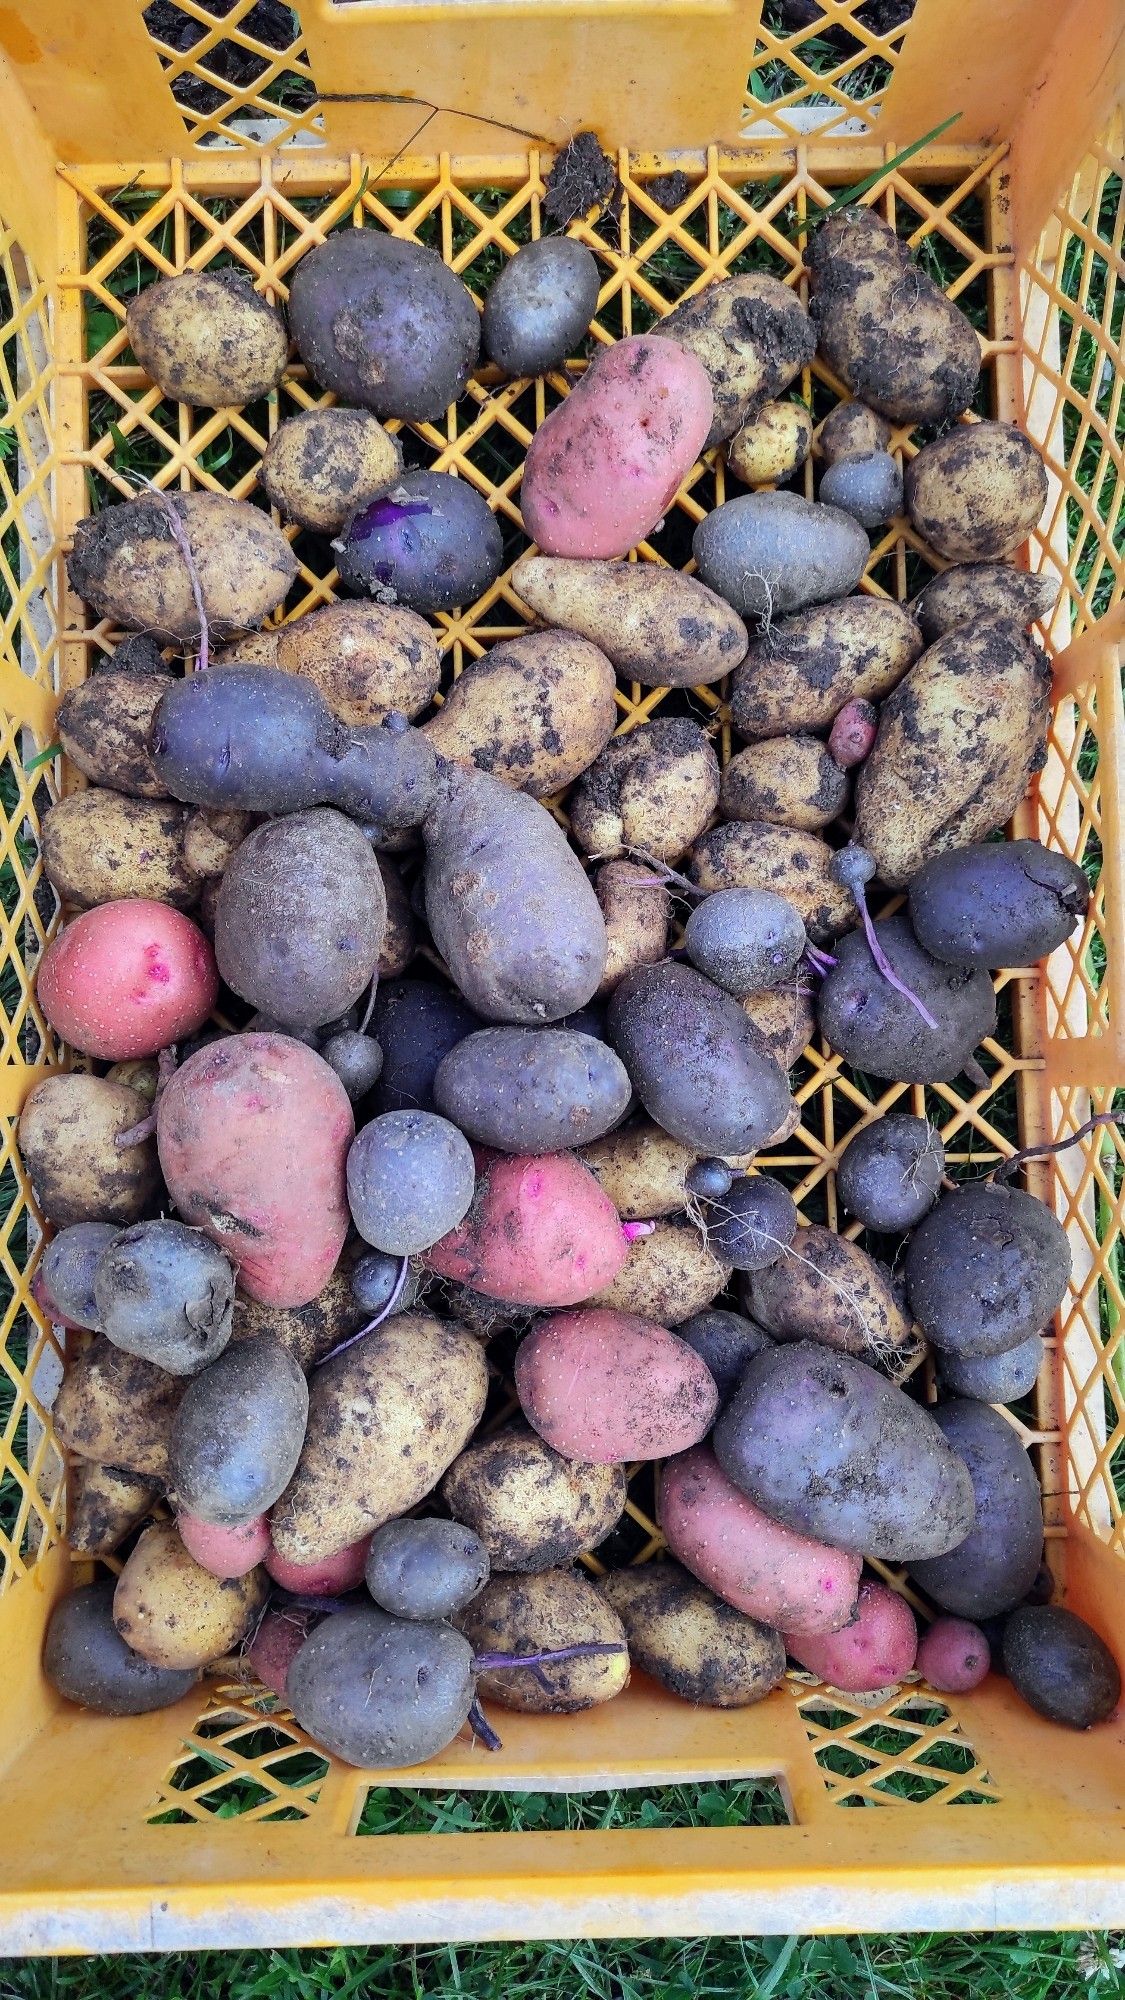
(908, 1748)
(235, 1765)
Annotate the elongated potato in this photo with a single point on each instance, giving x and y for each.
(366, 659)
(752, 335)
(532, 1508)
(637, 911)
(175, 1613)
(808, 667)
(830, 1290)
(786, 781)
(126, 565)
(689, 1640)
(533, 1614)
(654, 788)
(750, 854)
(656, 625)
(99, 845)
(668, 1275)
(535, 710)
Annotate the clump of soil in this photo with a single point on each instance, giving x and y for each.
(669, 190)
(582, 178)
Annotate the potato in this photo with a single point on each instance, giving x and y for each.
(251, 649)
(86, 1659)
(695, 1060)
(968, 591)
(751, 854)
(533, 1614)
(103, 1506)
(800, 674)
(306, 1332)
(67, 1133)
(425, 1569)
(786, 781)
(274, 1647)
(126, 979)
(605, 1385)
(208, 338)
(126, 565)
(668, 1275)
(768, 553)
(724, 1342)
(878, 1030)
(320, 465)
(637, 912)
(400, 933)
(993, 1569)
(785, 1018)
(117, 1410)
(532, 1090)
(65, 1280)
(386, 1418)
(642, 1169)
(997, 903)
(869, 488)
(300, 918)
(851, 430)
(654, 788)
(830, 1290)
(253, 1133)
(538, 309)
(356, 1686)
(432, 542)
(827, 1446)
(753, 1224)
(876, 1649)
(772, 444)
(175, 1613)
(976, 493)
(416, 1023)
(165, 1293)
(953, 1656)
(366, 659)
(987, 1267)
(210, 838)
(325, 1576)
(540, 1232)
(531, 1507)
(411, 1178)
(384, 322)
(745, 940)
(509, 906)
(658, 626)
(890, 1172)
(356, 1059)
(238, 1433)
(99, 846)
(993, 1378)
(604, 467)
(689, 1640)
(754, 1563)
(883, 326)
(103, 728)
(752, 335)
(1060, 1666)
(225, 1551)
(535, 710)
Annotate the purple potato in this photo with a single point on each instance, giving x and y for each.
(1006, 902)
(431, 543)
(384, 322)
(538, 309)
(994, 1567)
(988, 1266)
(416, 1023)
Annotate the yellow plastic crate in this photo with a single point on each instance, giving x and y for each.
(130, 149)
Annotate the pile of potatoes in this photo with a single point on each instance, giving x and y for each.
(397, 1083)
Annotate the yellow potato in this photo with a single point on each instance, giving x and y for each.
(851, 430)
(802, 672)
(786, 1018)
(103, 727)
(117, 1410)
(976, 493)
(175, 1613)
(786, 780)
(321, 465)
(103, 1505)
(637, 912)
(532, 1508)
(655, 788)
(642, 1169)
(309, 1332)
(127, 566)
(752, 335)
(533, 1614)
(827, 1289)
(656, 625)
(100, 845)
(366, 659)
(770, 447)
(400, 939)
(208, 338)
(67, 1131)
(667, 1276)
(210, 838)
(749, 854)
(535, 711)
(253, 649)
(690, 1641)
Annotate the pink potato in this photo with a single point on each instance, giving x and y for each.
(875, 1649)
(764, 1569)
(329, 1576)
(953, 1655)
(225, 1551)
(540, 1232)
(253, 1134)
(607, 463)
(127, 979)
(606, 1387)
(273, 1648)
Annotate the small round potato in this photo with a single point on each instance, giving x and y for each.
(117, 1410)
(851, 430)
(746, 940)
(99, 846)
(668, 1275)
(538, 310)
(535, 1614)
(166, 1294)
(432, 542)
(724, 1342)
(425, 1569)
(772, 444)
(878, 1030)
(654, 788)
(411, 1177)
(637, 912)
(103, 727)
(126, 565)
(366, 659)
(689, 1640)
(988, 1266)
(175, 1613)
(67, 1133)
(752, 1226)
(532, 1508)
(890, 1172)
(786, 781)
(88, 1661)
(993, 1378)
(869, 488)
(751, 854)
(383, 321)
(103, 1506)
(356, 1059)
(321, 465)
(208, 338)
(238, 1433)
(976, 493)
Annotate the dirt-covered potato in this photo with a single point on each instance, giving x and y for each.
(752, 854)
(238, 1432)
(637, 912)
(532, 1090)
(830, 1290)
(772, 444)
(320, 465)
(998, 903)
(251, 649)
(432, 542)
(658, 626)
(724, 1342)
(958, 741)
(126, 565)
(883, 326)
(993, 1569)
(539, 307)
(976, 493)
(968, 591)
(545, 1612)
(210, 838)
(175, 1613)
(752, 335)
(532, 1508)
(309, 1332)
(384, 322)
(851, 430)
(690, 1641)
(768, 553)
(208, 338)
(99, 845)
(890, 1172)
(786, 781)
(988, 1266)
(807, 668)
(668, 1276)
(103, 728)
(535, 710)
(103, 1506)
(746, 940)
(1060, 1666)
(165, 1293)
(785, 1018)
(696, 1061)
(400, 936)
(117, 1410)
(67, 1133)
(654, 788)
(87, 1660)
(642, 1169)
(877, 1029)
(366, 659)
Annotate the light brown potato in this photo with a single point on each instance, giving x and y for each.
(976, 493)
(801, 673)
(66, 1135)
(210, 838)
(400, 939)
(99, 846)
(637, 912)
(141, 1073)
(654, 788)
(535, 711)
(787, 781)
(958, 741)
(126, 565)
(533, 1614)
(642, 1170)
(752, 335)
(309, 1332)
(749, 854)
(785, 1016)
(175, 1613)
(968, 591)
(321, 465)
(258, 649)
(208, 338)
(771, 445)
(103, 1504)
(366, 659)
(689, 1640)
(532, 1508)
(656, 625)
(829, 1290)
(667, 1276)
(851, 430)
(117, 1410)
(385, 1420)
(103, 728)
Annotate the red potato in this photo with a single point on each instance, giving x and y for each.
(607, 1387)
(876, 1649)
(953, 1656)
(768, 1571)
(225, 1551)
(273, 1648)
(329, 1576)
(607, 463)
(253, 1134)
(127, 978)
(540, 1232)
